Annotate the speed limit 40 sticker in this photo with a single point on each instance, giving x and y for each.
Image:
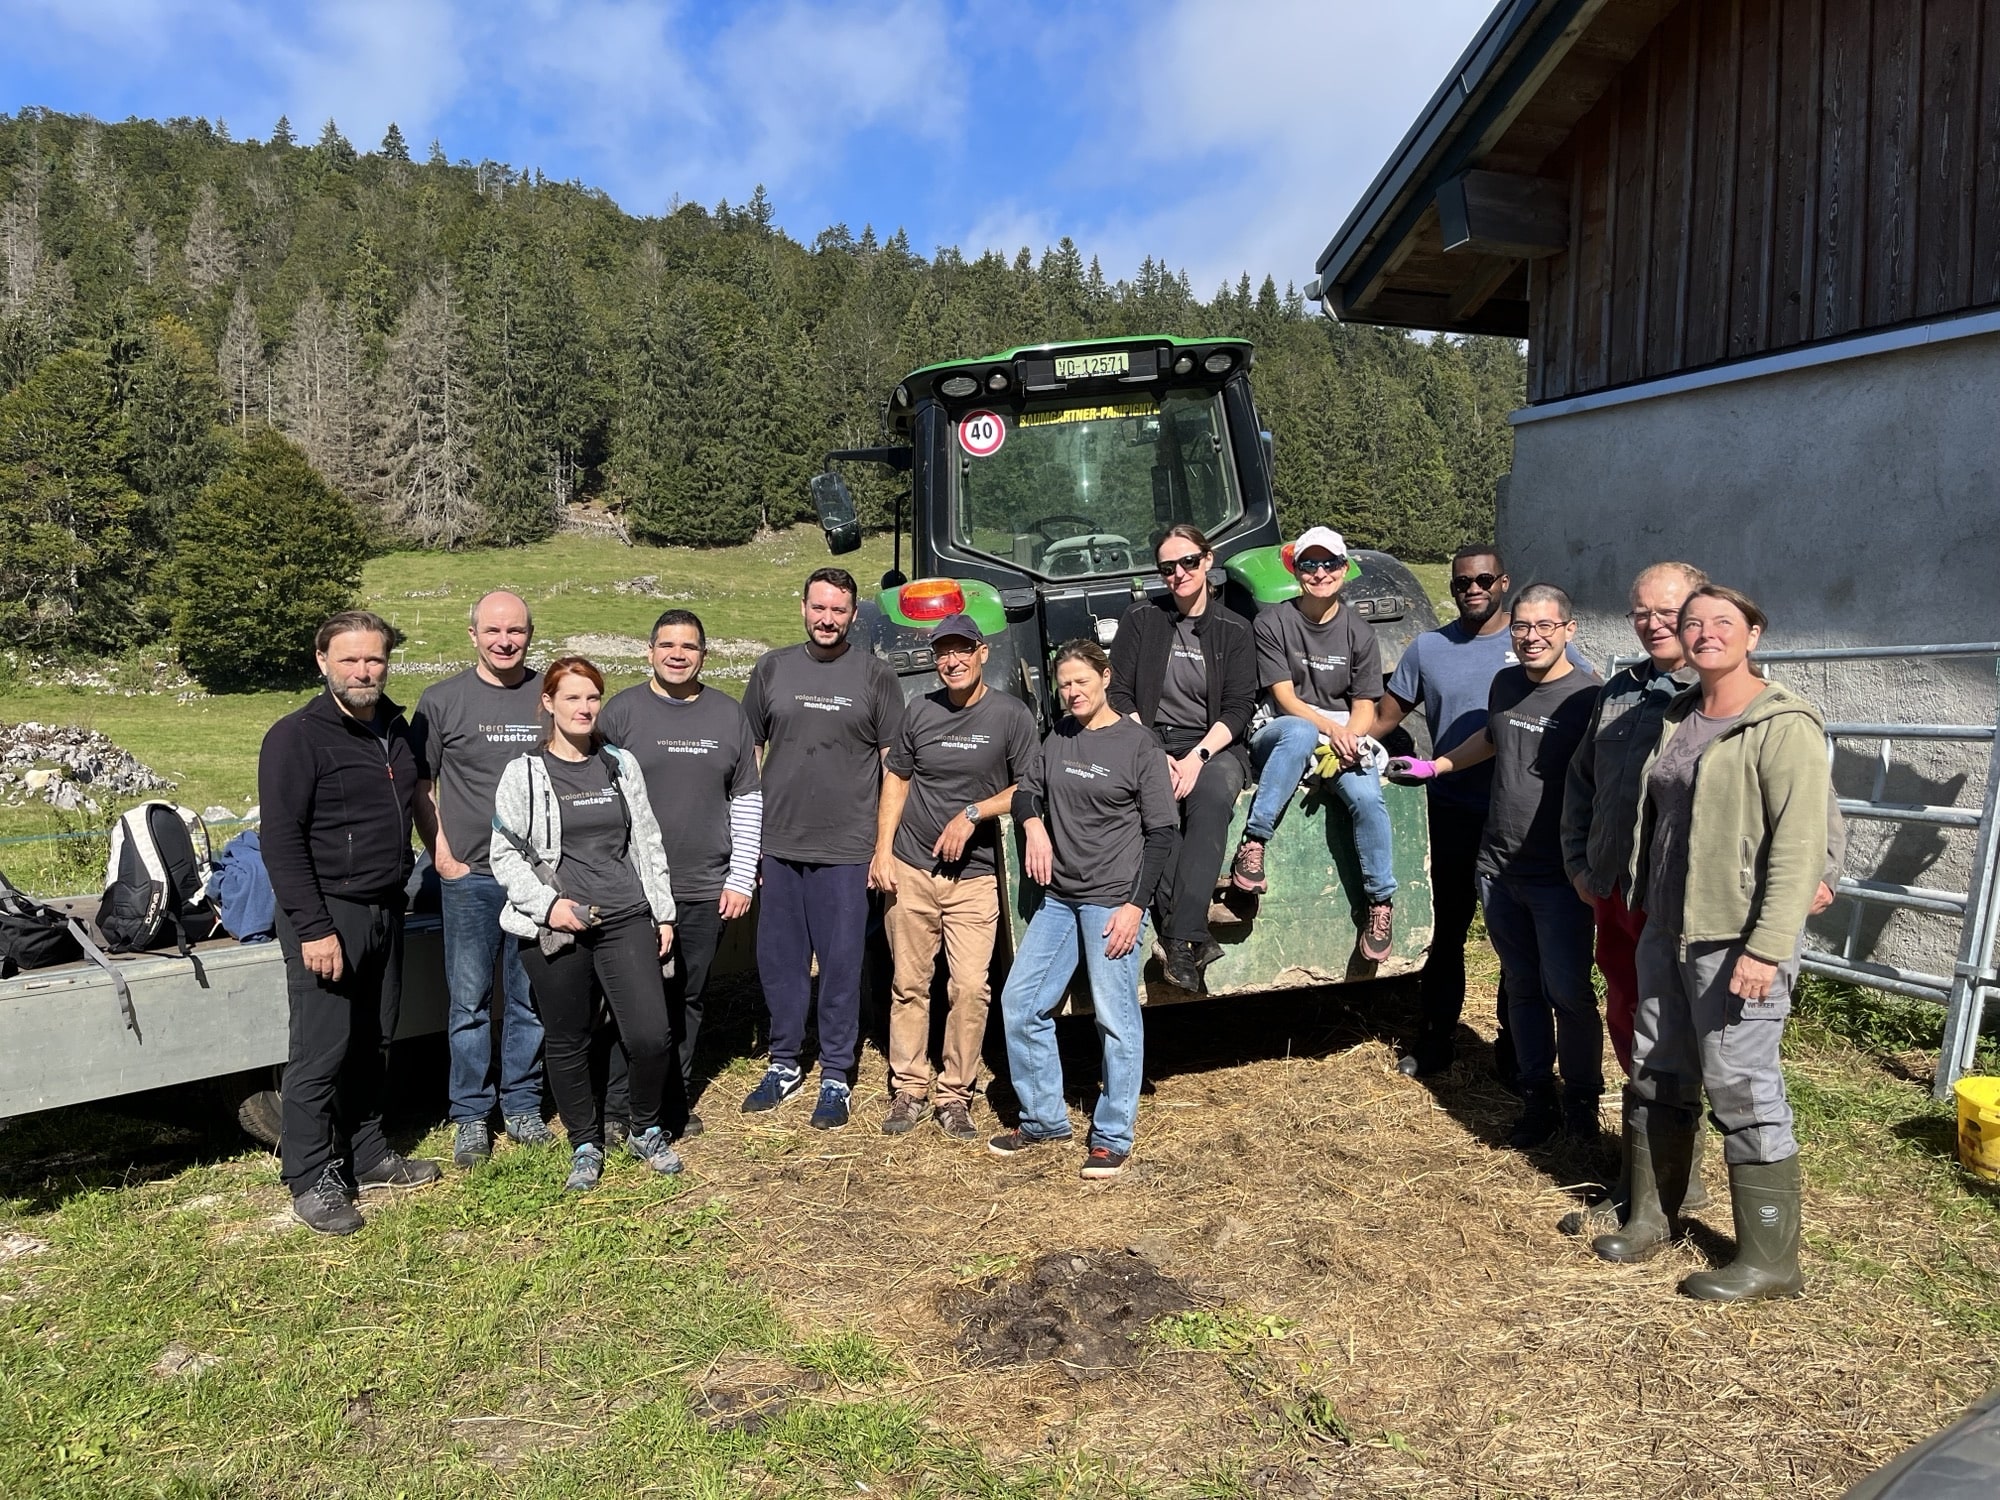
(981, 433)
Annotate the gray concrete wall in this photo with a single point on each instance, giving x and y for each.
(1857, 501)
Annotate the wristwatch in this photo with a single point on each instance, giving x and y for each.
(972, 812)
(1201, 753)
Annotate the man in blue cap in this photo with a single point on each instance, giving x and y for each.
(949, 775)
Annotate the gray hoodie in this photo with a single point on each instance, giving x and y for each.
(525, 803)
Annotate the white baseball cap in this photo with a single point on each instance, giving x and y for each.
(1323, 537)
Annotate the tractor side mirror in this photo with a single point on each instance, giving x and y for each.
(837, 518)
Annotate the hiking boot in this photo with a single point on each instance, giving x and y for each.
(1183, 966)
(906, 1113)
(690, 1127)
(955, 1120)
(1765, 1197)
(652, 1148)
(1658, 1145)
(471, 1143)
(394, 1171)
(1580, 1121)
(323, 1207)
(1103, 1162)
(586, 1169)
(1247, 873)
(530, 1130)
(777, 1085)
(616, 1132)
(1541, 1118)
(831, 1112)
(1014, 1142)
(1377, 930)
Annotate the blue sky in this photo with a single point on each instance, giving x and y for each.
(1222, 135)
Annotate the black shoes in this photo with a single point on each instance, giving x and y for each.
(324, 1208)
(1187, 962)
(1541, 1118)
(394, 1171)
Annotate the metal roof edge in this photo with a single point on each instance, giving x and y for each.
(1472, 71)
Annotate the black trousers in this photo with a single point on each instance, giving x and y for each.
(1455, 836)
(619, 961)
(697, 934)
(337, 1060)
(1205, 815)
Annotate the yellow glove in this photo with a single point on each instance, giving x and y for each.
(1326, 763)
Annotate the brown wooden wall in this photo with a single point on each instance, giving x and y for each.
(1767, 173)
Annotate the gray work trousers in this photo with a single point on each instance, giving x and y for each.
(1689, 1033)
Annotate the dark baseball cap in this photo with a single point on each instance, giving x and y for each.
(962, 626)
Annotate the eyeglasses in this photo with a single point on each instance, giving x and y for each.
(1643, 618)
(1522, 629)
(1169, 566)
(944, 650)
(1320, 565)
(1465, 582)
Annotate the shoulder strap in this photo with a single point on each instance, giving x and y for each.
(96, 955)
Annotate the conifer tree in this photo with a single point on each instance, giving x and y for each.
(173, 414)
(241, 362)
(427, 442)
(281, 134)
(394, 147)
(67, 514)
(210, 249)
(263, 554)
(334, 148)
(512, 497)
(437, 158)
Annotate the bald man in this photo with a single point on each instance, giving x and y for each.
(469, 726)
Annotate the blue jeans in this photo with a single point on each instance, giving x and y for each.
(473, 942)
(1059, 935)
(1279, 754)
(1543, 934)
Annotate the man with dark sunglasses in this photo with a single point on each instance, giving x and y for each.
(1448, 673)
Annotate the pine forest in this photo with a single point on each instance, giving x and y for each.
(471, 355)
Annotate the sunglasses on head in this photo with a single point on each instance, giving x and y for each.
(1169, 566)
(1465, 582)
(1320, 565)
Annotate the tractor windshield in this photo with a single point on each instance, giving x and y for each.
(1078, 491)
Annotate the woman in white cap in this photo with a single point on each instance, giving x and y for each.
(1322, 669)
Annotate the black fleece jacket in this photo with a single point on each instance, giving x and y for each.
(337, 803)
(1139, 664)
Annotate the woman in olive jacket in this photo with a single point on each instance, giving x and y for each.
(1186, 668)
(1728, 852)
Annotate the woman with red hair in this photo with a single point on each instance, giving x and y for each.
(576, 846)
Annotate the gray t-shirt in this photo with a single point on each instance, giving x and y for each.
(1329, 665)
(823, 724)
(952, 757)
(1536, 727)
(1184, 695)
(1100, 790)
(594, 869)
(467, 730)
(698, 757)
(1670, 790)
(1448, 672)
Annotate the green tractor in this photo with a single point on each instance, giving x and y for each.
(1039, 480)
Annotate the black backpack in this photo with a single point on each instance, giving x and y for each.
(156, 881)
(36, 936)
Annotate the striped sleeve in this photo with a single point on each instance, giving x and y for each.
(746, 837)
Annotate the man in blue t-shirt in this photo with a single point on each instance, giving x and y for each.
(1448, 673)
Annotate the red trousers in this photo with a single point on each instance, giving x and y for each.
(1618, 930)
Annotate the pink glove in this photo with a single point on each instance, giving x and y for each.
(1408, 770)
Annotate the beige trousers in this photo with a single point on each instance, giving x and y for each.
(965, 916)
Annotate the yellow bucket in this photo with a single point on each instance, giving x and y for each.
(1979, 1127)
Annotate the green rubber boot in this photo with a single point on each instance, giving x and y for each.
(1696, 1195)
(1659, 1152)
(1765, 1197)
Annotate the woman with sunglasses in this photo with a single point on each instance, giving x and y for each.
(589, 895)
(1729, 846)
(1186, 668)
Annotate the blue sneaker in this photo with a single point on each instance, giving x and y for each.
(651, 1147)
(831, 1111)
(777, 1085)
(586, 1167)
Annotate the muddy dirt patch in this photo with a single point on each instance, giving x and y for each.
(1086, 1312)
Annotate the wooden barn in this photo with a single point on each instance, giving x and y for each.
(1754, 249)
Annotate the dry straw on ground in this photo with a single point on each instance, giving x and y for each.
(1439, 1335)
